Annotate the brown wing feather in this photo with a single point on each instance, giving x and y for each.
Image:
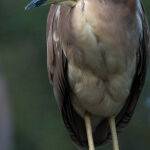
(139, 78)
(57, 70)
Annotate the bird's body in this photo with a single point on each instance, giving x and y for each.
(97, 57)
(106, 59)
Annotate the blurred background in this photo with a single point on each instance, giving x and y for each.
(29, 118)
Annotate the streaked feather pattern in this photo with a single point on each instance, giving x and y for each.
(58, 27)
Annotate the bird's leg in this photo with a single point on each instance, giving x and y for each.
(114, 133)
(89, 131)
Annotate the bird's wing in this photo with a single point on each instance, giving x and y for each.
(57, 26)
(126, 113)
(141, 68)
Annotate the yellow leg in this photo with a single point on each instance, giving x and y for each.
(114, 133)
(89, 131)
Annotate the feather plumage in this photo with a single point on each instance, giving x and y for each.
(57, 40)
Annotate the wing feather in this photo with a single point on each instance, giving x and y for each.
(57, 70)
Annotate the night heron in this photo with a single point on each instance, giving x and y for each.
(97, 54)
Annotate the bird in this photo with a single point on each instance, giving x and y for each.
(97, 57)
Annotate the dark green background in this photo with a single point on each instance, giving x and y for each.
(36, 119)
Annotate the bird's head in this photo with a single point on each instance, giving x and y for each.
(38, 3)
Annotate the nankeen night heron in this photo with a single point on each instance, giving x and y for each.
(97, 53)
